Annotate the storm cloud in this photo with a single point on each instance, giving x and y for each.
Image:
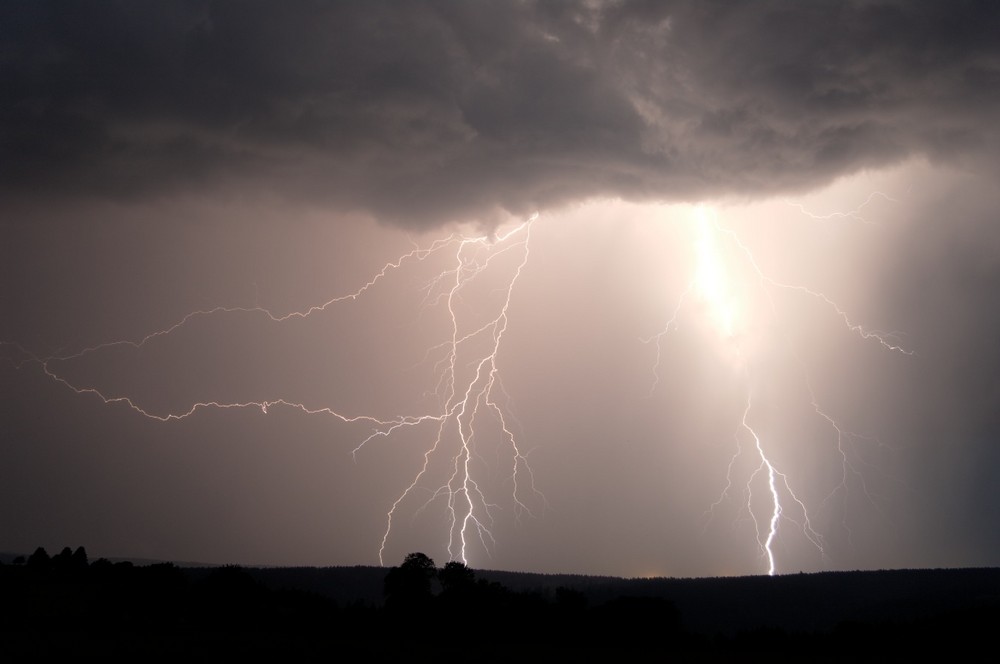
(427, 112)
(183, 185)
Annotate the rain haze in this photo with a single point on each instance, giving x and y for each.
(630, 288)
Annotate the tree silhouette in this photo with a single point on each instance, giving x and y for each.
(63, 561)
(80, 558)
(409, 585)
(39, 559)
(456, 579)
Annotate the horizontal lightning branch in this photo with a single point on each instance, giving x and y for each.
(461, 421)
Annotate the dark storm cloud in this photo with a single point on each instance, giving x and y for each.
(431, 111)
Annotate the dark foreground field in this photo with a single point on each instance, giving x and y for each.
(68, 606)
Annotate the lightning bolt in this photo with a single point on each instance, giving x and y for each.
(855, 214)
(468, 508)
(473, 409)
(466, 398)
(711, 285)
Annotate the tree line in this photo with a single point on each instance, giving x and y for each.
(66, 599)
(66, 605)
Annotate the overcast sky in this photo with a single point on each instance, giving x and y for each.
(766, 247)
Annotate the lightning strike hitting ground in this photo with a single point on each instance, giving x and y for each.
(473, 406)
(465, 398)
(730, 316)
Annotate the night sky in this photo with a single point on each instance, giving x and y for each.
(754, 322)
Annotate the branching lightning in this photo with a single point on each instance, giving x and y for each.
(855, 214)
(711, 285)
(464, 400)
(472, 405)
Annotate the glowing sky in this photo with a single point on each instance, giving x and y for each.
(786, 206)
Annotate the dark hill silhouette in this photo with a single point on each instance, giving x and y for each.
(800, 602)
(67, 605)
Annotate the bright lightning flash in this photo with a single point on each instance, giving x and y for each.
(728, 305)
(728, 287)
